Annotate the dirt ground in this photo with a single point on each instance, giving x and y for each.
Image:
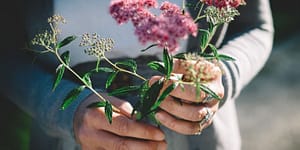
(269, 107)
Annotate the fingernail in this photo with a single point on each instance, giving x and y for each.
(159, 117)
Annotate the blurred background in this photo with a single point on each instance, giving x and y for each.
(268, 108)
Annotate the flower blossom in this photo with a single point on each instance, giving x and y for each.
(224, 3)
(165, 29)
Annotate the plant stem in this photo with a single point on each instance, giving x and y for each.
(124, 70)
(79, 77)
(211, 34)
(199, 14)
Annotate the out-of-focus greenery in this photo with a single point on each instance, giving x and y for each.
(14, 127)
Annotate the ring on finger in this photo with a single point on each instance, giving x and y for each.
(209, 114)
(207, 99)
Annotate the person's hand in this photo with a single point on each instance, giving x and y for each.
(185, 112)
(94, 132)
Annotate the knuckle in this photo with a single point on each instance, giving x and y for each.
(147, 131)
(121, 145)
(196, 115)
(122, 126)
(171, 124)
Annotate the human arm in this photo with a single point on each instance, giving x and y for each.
(27, 80)
(249, 41)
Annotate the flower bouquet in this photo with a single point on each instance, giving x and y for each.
(164, 30)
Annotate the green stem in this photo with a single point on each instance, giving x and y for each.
(211, 34)
(78, 76)
(83, 81)
(97, 65)
(124, 70)
(199, 14)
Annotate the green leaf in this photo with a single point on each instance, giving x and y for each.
(66, 41)
(108, 111)
(107, 108)
(61, 69)
(168, 63)
(124, 90)
(226, 57)
(59, 74)
(87, 79)
(104, 69)
(209, 91)
(157, 66)
(143, 89)
(97, 104)
(151, 97)
(72, 95)
(128, 63)
(143, 50)
(180, 56)
(110, 78)
(208, 56)
(163, 95)
(66, 57)
(214, 50)
(204, 38)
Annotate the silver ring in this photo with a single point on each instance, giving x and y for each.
(207, 117)
(207, 99)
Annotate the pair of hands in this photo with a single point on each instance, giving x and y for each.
(93, 131)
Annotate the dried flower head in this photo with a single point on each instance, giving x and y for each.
(220, 15)
(96, 46)
(49, 38)
(44, 39)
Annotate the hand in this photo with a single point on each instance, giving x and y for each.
(183, 111)
(94, 132)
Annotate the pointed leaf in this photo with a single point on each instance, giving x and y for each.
(87, 79)
(124, 90)
(97, 104)
(157, 66)
(128, 63)
(103, 69)
(180, 56)
(168, 63)
(163, 95)
(151, 97)
(143, 50)
(66, 57)
(59, 74)
(207, 56)
(226, 57)
(214, 50)
(72, 95)
(110, 78)
(209, 91)
(108, 111)
(203, 38)
(66, 41)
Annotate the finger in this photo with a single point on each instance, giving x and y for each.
(183, 110)
(177, 125)
(124, 106)
(104, 140)
(122, 125)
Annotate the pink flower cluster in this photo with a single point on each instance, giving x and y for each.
(165, 29)
(224, 3)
